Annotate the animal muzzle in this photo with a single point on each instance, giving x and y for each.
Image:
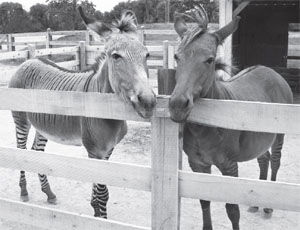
(144, 104)
(180, 107)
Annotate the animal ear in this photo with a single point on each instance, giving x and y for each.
(179, 24)
(100, 28)
(225, 31)
(128, 22)
(131, 14)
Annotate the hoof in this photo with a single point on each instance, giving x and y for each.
(268, 213)
(208, 228)
(52, 200)
(268, 210)
(253, 209)
(24, 198)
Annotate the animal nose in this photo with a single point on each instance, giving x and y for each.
(179, 103)
(147, 101)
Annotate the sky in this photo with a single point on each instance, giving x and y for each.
(102, 5)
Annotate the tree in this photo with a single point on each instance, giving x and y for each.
(13, 18)
(64, 16)
(40, 16)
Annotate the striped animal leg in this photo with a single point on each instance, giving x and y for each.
(275, 162)
(100, 196)
(22, 130)
(39, 145)
(276, 155)
(263, 162)
(229, 168)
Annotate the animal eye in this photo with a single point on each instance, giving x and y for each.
(147, 55)
(116, 56)
(176, 57)
(210, 60)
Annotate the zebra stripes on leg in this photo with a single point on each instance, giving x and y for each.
(39, 144)
(22, 130)
(99, 200)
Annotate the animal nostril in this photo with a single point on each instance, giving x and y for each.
(179, 102)
(140, 98)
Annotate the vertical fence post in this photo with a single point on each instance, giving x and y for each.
(82, 54)
(88, 37)
(31, 51)
(141, 33)
(166, 160)
(171, 60)
(225, 17)
(165, 54)
(48, 38)
(10, 41)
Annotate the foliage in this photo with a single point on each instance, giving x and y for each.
(63, 15)
(13, 18)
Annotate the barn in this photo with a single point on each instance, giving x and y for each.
(265, 36)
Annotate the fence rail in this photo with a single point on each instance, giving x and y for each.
(164, 179)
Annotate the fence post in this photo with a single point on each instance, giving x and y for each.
(166, 161)
(88, 37)
(141, 33)
(82, 54)
(10, 41)
(225, 16)
(171, 60)
(165, 54)
(48, 38)
(31, 51)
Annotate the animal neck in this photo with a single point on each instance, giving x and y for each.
(218, 89)
(99, 81)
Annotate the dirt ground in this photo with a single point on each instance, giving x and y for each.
(133, 206)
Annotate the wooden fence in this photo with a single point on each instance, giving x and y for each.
(164, 179)
(84, 55)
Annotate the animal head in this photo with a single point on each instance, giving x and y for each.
(127, 61)
(196, 55)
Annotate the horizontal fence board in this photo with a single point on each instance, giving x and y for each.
(234, 190)
(108, 106)
(172, 32)
(155, 62)
(94, 48)
(32, 34)
(240, 115)
(64, 43)
(52, 51)
(67, 32)
(75, 168)
(155, 48)
(68, 64)
(49, 218)
(252, 116)
(293, 63)
(14, 55)
(37, 43)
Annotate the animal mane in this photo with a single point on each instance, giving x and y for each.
(95, 67)
(127, 23)
(190, 35)
(229, 69)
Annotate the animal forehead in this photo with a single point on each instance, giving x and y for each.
(126, 44)
(206, 42)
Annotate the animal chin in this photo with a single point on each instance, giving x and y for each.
(179, 116)
(144, 113)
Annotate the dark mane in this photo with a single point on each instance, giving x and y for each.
(95, 67)
(190, 35)
(127, 23)
(230, 70)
